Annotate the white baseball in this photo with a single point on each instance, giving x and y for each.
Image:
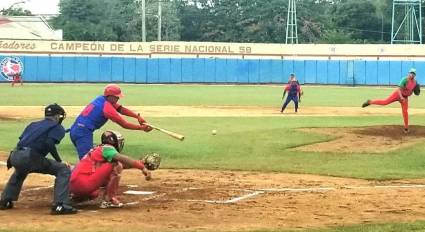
(214, 132)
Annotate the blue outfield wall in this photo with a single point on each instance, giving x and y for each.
(214, 70)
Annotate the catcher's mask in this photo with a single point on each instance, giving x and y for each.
(113, 138)
(55, 110)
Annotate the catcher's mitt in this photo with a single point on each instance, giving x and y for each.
(152, 161)
(417, 89)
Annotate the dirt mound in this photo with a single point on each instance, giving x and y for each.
(391, 131)
(365, 139)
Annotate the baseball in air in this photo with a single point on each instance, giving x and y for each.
(214, 132)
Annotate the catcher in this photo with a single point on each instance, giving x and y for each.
(102, 167)
(407, 86)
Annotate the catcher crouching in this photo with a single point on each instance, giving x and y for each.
(102, 167)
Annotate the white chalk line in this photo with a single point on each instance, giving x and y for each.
(318, 189)
(132, 203)
(233, 200)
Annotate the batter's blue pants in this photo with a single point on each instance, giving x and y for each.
(82, 138)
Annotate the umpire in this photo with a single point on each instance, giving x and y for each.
(38, 139)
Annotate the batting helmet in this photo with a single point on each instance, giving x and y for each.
(113, 90)
(113, 138)
(55, 110)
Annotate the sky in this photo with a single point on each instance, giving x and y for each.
(35, 6)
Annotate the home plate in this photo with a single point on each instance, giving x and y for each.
(134, 192)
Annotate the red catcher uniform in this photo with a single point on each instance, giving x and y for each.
(97, 169)
(405, 89)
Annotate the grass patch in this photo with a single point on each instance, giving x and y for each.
(192, 95)
(243, 143)
(253, 144)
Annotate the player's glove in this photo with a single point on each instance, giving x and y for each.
(152, 161)
(417, 89)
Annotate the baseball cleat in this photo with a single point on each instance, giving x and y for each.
(114, 203)
(61, 209)
(6, 204)
(366, 103)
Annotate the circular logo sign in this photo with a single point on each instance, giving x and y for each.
(11, 66)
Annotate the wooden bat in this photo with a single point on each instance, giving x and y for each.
(170, 133)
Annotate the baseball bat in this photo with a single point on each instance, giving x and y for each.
(170, 133)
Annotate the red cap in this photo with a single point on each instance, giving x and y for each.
(113, 90)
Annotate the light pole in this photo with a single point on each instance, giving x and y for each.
(144, 20)
(158, 16)
(159, 20)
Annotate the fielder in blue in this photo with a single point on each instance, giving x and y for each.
(294, 93)
(97, 113)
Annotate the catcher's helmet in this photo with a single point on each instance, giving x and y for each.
(113, 138)
(113, 90)
(55, 110)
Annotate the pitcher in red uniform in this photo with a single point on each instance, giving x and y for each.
(102, 167)
(401, 94)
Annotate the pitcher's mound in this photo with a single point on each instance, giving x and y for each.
(374, 139)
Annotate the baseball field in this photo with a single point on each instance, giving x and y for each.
(333, 166)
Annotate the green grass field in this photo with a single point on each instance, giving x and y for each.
(242, 143)
(263, 95)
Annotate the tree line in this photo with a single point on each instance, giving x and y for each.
(256, 21)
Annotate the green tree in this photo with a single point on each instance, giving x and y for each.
(359, 17)
(259, 21)
(15, 12)
(114, 20)
(85, 20)
(171, 26)
(337, 37)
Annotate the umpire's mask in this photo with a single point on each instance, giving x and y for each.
(55, 110)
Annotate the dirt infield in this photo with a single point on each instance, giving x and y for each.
(201, 200)
(224, 201)
(18, 112)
